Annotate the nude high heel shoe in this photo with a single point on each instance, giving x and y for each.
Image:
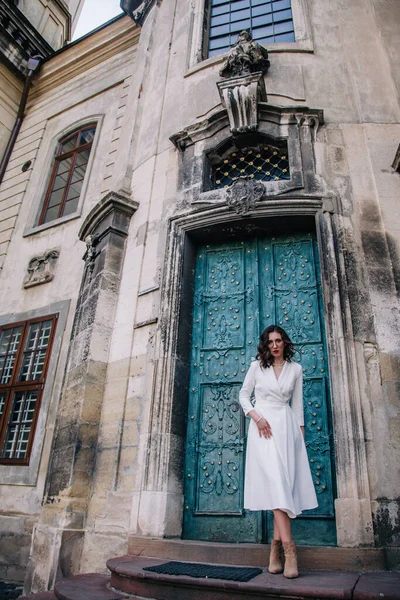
(275, 557)
(291, 571)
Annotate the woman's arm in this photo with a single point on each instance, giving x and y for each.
(264, 427)
(297, 399)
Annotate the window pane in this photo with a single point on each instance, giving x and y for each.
(87, 136)
(285, 37)
(9, 344)
(64, 165)
(281, 4)
(35, 351)
(264, 20)
(74, 190)
(51, 214)
(79, 173)
(56, 198)
(264, 9)
(69, 144)
(2, 404)
(20, 424)
(71, 206)
(82, 158)
(60, 182)
(239, 15)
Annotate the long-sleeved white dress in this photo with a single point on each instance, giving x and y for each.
(277, 472)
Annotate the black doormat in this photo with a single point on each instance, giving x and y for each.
(206, 571)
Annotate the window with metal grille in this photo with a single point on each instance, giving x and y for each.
(265, 163)
(24, 355)
(68, 174)
(269, 21)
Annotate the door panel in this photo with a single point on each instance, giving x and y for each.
(241, 288)
(225, 327)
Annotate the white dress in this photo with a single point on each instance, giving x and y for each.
(277, 471)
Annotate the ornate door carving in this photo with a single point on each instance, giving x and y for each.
(240, 288)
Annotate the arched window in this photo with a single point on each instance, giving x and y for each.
(264, 162)
(66, 181)
(269, 21)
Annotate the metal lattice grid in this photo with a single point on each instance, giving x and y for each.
(19, 425)
(267, 163)
(269, 21)
(35, 351)
(9, 344)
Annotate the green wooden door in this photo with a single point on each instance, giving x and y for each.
(240, 288)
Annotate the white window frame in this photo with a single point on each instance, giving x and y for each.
(196, 62)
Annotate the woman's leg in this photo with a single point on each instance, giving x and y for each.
(282, 524)
(277, 533)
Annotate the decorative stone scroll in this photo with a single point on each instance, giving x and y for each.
(240, 97)
(41, 268)
(242, 195)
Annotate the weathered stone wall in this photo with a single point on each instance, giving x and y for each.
(58, 101)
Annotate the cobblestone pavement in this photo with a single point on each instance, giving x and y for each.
(10, 591)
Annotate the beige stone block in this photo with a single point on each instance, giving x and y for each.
(117, 369)
(138, 365)
(354, 522)
(160, 514)
(98, 548)
(389, 366)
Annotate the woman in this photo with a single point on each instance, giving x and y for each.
(278, 476)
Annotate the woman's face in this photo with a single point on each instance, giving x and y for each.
(276, 346)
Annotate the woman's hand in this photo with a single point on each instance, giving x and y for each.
(264, 428)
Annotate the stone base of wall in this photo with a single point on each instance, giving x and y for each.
(15, 543)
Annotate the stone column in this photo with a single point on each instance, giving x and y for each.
(58, 537)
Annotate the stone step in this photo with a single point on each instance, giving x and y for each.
(257, 555)
(90, 586)
(39, 596)
(127, 575)
(129, 581)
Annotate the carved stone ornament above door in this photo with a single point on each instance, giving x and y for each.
(210, 139)
(244, 68)
(242, 195)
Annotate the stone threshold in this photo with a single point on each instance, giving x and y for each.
(129, 581)
(127, 575)
(257, 555)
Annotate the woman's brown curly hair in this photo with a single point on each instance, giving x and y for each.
(264, 353)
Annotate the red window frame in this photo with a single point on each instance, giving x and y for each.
(15, 385)
(59, 157)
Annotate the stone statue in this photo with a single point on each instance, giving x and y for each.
(245, 57)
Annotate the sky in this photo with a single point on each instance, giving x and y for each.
(94, 14)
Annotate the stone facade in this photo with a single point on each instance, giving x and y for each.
(109, 461)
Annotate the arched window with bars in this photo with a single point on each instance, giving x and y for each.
(263, 161)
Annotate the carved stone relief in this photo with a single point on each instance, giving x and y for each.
(41, 268)
(242, 195)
